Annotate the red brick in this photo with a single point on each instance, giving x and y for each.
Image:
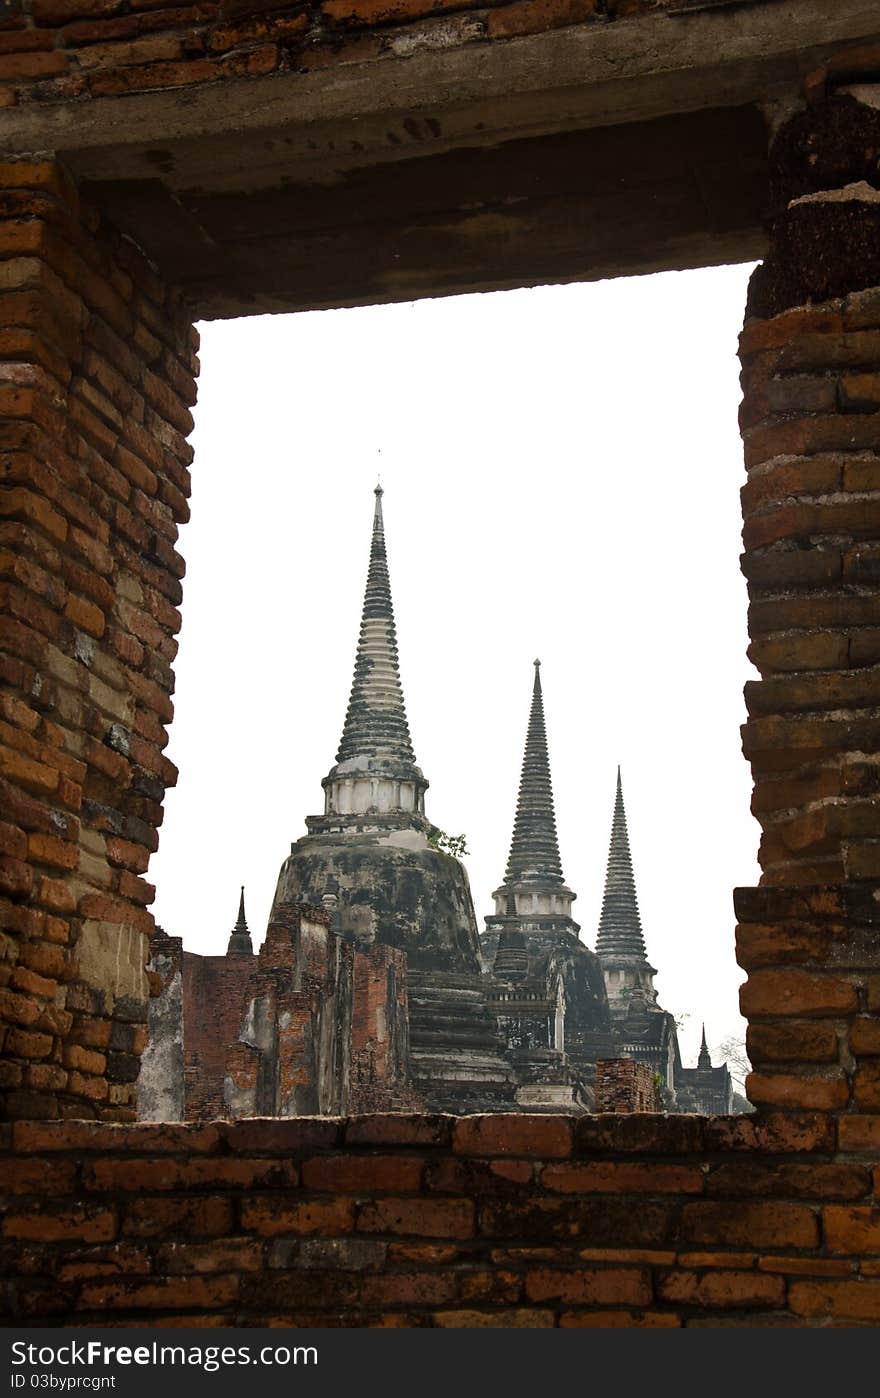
(90, 1223)
(795, 992)
(363, 1174)
(228, 1255)
(628, 1286)
(136, 1176)
(186, 1218)
(185, 1292)
(794, 1041)
(756, 1225)
(806, 1266)
(859, 1133)
(848, 1300)
(721, 1289)
(613, 1177)
(864, 1036)
(541, 1137)
(271, 1218)
(40, 1177)
(826, 1092)
(520, 1318)
(399, 1129)
(375, 12)
(793, 1181)
(854, 1229)
(536, 16)
(619, 1320)
(423, 1218)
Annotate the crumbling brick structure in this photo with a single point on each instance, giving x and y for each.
(541, 168)
(97, 375)
(625, 1085)
(313, 1024)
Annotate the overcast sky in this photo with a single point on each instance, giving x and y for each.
(561, 470)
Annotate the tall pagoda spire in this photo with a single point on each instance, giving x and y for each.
(620, 927)
(375, 772)
(704, 1059)
(375, 724)
(240, 938)
(534, 848)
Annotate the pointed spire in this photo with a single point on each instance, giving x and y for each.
(534, 849)
(620, 927)
(704, 1060)
(240, 938)
(375, 724)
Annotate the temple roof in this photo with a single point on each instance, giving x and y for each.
(534, 848)
(375, 724)
(620, 927)
(704, 1060)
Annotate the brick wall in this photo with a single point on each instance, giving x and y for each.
(439, 1221)
(96, 371)
(63, 50)
(808, 938)
(623, 1085)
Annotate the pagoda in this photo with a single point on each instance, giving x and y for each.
(375, 853)
(547, 987)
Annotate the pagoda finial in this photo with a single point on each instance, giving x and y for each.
(704, 1060)
(240, 938)
(534, 849)
(620, 927)
(376, 724)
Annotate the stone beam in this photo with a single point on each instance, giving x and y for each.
(243, 133)
(682, 192)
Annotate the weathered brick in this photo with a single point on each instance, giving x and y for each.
(628, 1286)
(846, 1300)
(825, 1092)
(91, 1223)
(619, 1320)
(794, 1041)
(421, 1218)
(269, 1218)
(206, 1216)
(363, 1174)
(133, 1176)
(721, 1289)
(541, 1137)
(796, 992)
(757, 1225)
(160, 1292)
(613, 1177)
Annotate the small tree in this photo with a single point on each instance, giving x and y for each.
(456, 845)
(732, 1050)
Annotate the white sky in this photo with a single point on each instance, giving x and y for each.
(561, 470)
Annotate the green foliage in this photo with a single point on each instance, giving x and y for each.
(456, 845)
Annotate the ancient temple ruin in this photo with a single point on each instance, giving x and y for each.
(644, 1030)
(167, 166)
(373, 985)
(545, 985)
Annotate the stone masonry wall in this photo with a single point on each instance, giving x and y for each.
(633, 1220)
(97, 371)
(54, 51)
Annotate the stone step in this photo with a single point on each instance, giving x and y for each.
(451, 1035)
(440, 996)
(445, 981)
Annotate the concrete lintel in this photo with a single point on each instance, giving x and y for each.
(585, 75)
